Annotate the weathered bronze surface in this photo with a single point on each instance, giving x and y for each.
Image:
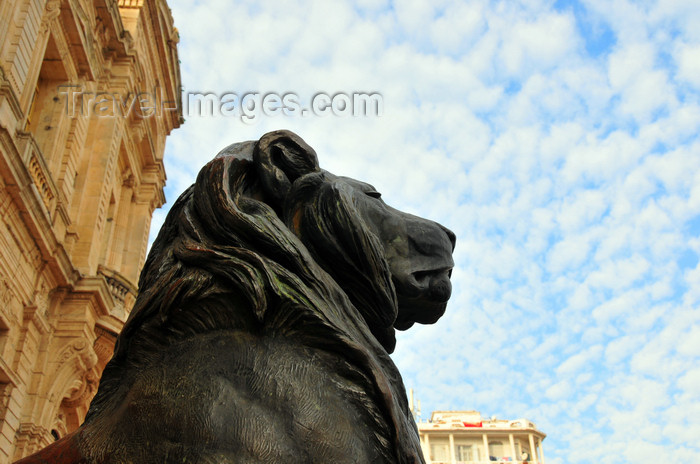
(264, 322)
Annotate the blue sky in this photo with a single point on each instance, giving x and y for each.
(558, 139)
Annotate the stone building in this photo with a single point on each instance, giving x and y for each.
(89, 90)
(464, 437)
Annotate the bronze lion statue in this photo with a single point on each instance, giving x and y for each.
(266, 314)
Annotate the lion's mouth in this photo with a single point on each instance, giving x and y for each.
(422, 297)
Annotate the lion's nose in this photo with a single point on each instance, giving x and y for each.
(440, 287)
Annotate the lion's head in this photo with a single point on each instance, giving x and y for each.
(394, 266)
(266, 241)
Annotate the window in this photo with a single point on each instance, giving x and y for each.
(439, 453)
(496, 449)
(465, 453)
(47, 120)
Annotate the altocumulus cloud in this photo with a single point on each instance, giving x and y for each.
(559, 140)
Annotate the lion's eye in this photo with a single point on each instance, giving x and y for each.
(373, 194)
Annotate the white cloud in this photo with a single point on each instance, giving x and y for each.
(580, 361)
(627, 64)
(568, 253)
(688, 57)
(459, 26)
(538, 44)
(690, 382)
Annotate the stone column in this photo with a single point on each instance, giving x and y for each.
(115, 256)
(137, 234)
(512, 447)
(426, 454)
(533, 450)
(94, 186)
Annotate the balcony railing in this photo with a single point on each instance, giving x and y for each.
(130, 3)
(36, 166)
(119, 287)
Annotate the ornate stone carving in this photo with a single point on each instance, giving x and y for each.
(41, 301)
(53, 10)
(83, 354)
(31, 437)
(82, 390)
(5, 293)
(5, 390)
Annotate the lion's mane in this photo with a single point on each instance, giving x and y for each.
(226, 260)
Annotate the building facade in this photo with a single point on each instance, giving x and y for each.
(464, 437)
(89, 90)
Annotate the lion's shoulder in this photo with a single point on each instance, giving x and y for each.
(204, 389)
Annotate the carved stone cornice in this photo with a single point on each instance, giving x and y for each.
(95, 289)
(32, 432)
(7, 375)
(36, 315)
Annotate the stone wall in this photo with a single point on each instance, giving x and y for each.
(89, 90)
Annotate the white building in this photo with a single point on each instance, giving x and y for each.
(464, 437)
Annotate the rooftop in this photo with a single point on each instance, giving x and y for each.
(462, 420)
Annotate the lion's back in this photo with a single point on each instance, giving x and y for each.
(232, 397)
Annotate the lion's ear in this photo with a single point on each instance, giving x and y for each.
(281, 157)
